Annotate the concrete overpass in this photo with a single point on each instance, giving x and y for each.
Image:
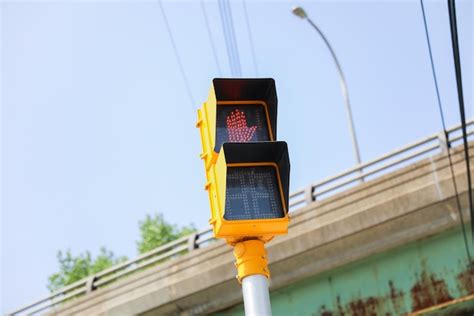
(392, 245)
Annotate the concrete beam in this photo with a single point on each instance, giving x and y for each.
(411, 203)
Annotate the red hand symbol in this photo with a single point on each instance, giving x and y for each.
(237, 128)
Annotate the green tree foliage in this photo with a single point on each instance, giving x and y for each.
(155, 231)
(74, 268)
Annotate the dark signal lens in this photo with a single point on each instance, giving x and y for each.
(240, 124)
(252, 193)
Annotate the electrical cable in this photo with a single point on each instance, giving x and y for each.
(457, 66)
(225, 29)
(252, 47)
(176, 53)
(233, 38)
(446, 134)
(213, 47)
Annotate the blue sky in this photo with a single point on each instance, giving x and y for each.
(98, 130)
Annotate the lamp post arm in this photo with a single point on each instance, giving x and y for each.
(344, 89)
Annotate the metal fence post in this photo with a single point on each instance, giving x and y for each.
(308, 194)
(192, 242)
(90, 284)
(443, 142)
(361, 171)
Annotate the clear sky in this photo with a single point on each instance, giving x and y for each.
(98, 130)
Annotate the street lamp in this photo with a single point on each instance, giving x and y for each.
(299, 11)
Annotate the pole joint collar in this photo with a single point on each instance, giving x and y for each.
(251, 258)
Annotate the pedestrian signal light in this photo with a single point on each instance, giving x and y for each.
(253, 192)
(239, 122)
(237, 110)
(248, 190)
(247, 170)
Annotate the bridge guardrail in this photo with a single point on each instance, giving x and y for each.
(299, 198)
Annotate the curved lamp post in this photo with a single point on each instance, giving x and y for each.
(298, 11)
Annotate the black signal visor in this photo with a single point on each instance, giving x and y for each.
(257, 172)
(246, 110)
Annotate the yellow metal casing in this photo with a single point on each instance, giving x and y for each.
(274, 154)
(235, 92)
(251, 258)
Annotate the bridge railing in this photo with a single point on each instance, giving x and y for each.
(386, 163)
(437, 142)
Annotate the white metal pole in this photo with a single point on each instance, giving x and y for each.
(256, 296)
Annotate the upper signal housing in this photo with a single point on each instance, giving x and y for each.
(237, 111)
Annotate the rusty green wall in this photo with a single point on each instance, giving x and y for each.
(412, 277)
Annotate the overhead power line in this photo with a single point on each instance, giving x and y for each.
(178, 58)
(233, 38)
(446, 135)
(254, 59)
(229, 35)
(457, 66)
(209, 33)
(225, 30)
